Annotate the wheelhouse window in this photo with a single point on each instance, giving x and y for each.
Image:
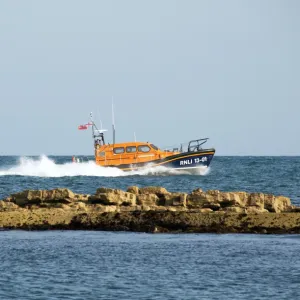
(102, 154)
(119, 150)
(154, 147)
(144, 148)
(131, 149)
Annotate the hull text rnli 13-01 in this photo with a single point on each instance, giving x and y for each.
(136, 155)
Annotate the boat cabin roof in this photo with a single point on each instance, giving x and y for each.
(130, 144)
(129, 147)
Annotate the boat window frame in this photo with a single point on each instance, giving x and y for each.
(131, 151)
(116, 148)
(149, 148)
(154, 147)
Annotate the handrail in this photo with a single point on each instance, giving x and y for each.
(195, 145)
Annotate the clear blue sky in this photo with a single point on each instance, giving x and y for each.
(178, 70)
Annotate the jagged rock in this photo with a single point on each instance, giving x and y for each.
(147, 199)
(103, 190)
(134, 190)
(157, 190)
(234, 199)
(243, 198)
(212, 206)
(170, 208)
(161, 208)
(113, 197)
(255, 210)
(155, 196)
(234, 209)
(128, 208)
(82, 197)
(176, 208)
(78, 206)
(8, 206)
(146, 207)
(175, 199)
(282, 204)
(277, 204)
(214, 199)
(200, 199)
(26, 197)
(111, 208)
(156, 208)
(138, 207)
(205, 210)
(63, 206)
(197, 191)
(8, 199)
(197, 199)
(220, 212)
(269, 201)
(99, 208)
(58, 194)
(35, 197)
(149, 208)
(257, 199)
(216, 196)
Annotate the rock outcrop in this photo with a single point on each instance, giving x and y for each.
(150, 209)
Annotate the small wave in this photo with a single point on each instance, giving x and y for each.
(46, 167)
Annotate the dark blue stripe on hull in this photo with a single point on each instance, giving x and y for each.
(179, 161)
(190, 162)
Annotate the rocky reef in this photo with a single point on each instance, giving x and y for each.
(150, 209)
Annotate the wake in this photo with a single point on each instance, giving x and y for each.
(46, 167)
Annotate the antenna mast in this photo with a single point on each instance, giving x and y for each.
(113, 120)
(91, 118)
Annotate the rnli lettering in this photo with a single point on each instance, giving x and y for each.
(193, 161)
(186, 162)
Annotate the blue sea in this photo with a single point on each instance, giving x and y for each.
(110, 265)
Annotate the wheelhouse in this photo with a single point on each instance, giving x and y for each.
(128, 153)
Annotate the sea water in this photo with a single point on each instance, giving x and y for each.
(109, 265)
(276, 175)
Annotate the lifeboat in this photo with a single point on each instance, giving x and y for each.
(136, 155)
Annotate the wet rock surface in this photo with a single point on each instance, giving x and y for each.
(150, 209)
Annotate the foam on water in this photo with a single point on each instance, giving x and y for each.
(46, 167)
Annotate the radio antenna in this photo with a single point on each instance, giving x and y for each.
(113, 120)
(99, 118)
(92, 122)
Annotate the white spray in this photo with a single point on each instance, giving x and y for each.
(46, 167)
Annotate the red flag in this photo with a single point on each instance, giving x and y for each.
(82, 127)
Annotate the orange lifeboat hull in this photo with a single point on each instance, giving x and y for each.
(136, 155)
